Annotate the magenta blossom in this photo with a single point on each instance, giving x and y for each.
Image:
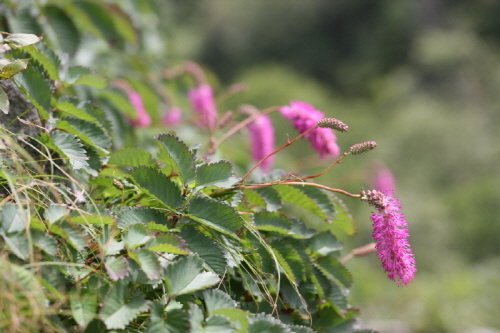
(262, 141)
(390, 230)
(303, 116)
(383, 180)
(203, 103)
(172, 117)
(143, 118)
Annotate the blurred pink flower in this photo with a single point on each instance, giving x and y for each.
(172, 117)
(143, 118)
(390, 230)
(262, 141)
(203, 103)
(303, 116)
(383, 180)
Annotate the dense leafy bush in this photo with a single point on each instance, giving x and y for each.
(104, 230)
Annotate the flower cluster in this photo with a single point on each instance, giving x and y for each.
(143, 118)
(262, 141)
(203, 103)
(390, 230)
(303, 116)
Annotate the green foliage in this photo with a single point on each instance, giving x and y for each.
(146, 238)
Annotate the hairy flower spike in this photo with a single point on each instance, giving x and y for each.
(172, 117)
(143, 118)
(203, 103)
(363, 147)
(304, 116)
(334, 124)
(383, 179)
(262, 141)
(390, 231)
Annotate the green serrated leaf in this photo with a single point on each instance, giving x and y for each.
(13, 219)
(325, 243)
(117, 267)
(292, 258)
(71, 147)
(83, 303)
(20, 40)
(207, 174)
(117, 312)
(276, 222)
(4, 101)
(88, 132)
(71, 109)
(46, 57)
(93, 219)
(158, 185)
(294, 195)
(300, 329)
(321, 198)
(123, 24)
(131, 157)
(54, 212)
(237, 316)
(24, 22)
(211, 252)
(152, 226)
(217, 215)
(99, 15)
(74, 73)
(34, 82)
(136, 235)
(176, 320)
(266, 323)
(44, 241)
(185, 276)
(149, 263)
(271, 197)
(168, 243)
(133, 215)
(17, 243)
(12, 68)
(73, 233)
(343, 219)
(180, 155)
(64, 28)
(334, 270)
(216, 299)
(94, 80)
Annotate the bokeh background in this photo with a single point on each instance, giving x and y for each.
(419, 77)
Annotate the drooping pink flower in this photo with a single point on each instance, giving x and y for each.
(303, 116)
(203, 103)
(172, 117)
(262, 141)
(390, 231)
(143, 118)
(383, 180)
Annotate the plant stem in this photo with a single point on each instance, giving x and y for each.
(336, 190)
(277, 150)
(238, 127)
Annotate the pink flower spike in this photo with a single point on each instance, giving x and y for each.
(262, 141)
(390, 230)
(143, 118)
(303, 116)
(172, 117)
(203, 103)
(383, 180)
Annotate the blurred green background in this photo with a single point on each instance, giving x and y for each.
(422, 79)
